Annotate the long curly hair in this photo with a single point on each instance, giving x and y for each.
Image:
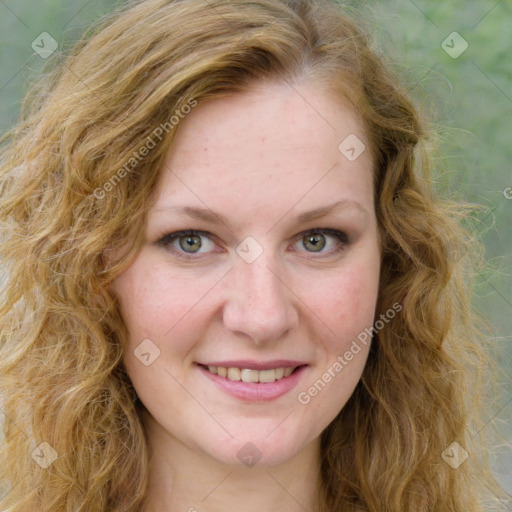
(75, 183)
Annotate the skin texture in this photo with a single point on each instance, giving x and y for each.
(258, 159)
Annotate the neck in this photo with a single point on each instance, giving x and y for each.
(183, 479)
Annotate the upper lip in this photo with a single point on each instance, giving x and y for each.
(251, 364)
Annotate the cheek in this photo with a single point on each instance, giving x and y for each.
(142, 303)
(161, 304)
(345, 303)
(344, 307)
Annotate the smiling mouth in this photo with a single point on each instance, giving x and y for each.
(249, 375)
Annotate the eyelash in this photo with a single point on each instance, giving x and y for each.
(168, 238)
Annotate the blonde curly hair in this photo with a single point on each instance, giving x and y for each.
(62, 337)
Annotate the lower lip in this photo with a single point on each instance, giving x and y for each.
(256, 391)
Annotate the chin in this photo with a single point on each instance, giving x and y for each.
(261, 450)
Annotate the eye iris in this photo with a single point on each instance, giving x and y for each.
(189, 242)
(317, 241)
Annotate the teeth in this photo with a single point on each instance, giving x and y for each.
(247, 375)
(234, 373)
(267, 376)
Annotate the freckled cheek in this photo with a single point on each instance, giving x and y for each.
(158, 305)
(346, 303)
(150, 310)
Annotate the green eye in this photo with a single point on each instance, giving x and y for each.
(190, 242)
(316, 242)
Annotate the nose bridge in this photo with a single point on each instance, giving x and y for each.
(260, 305)
(260, 282)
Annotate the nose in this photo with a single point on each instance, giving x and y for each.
(260, 304)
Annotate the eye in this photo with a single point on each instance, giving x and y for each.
(188, 243)
(315, 240)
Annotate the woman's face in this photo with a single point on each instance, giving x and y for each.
(257, 290)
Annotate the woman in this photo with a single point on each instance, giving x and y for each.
(230, 285)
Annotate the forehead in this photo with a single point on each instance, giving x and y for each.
(275, 144)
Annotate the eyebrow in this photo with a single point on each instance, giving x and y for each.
(207, 215)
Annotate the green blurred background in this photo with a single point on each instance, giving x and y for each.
(467, 96)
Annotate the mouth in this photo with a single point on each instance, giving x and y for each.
(252, 381)
(252, 375)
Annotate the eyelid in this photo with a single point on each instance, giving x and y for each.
(336, 233)
(167, 237)
(166, 240)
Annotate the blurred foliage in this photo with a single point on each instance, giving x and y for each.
(468, 99)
